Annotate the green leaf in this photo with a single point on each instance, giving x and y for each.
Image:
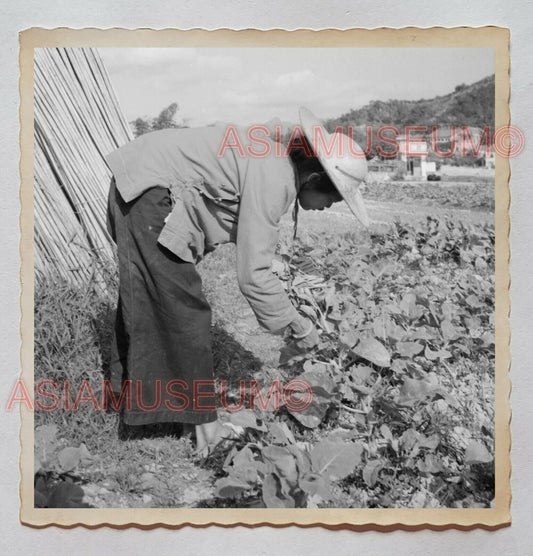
(347, 391)
(69, 458)
(399, 366)
(413, 390)
(245, 467)
(281, 433)
(474, 301)
(278, 267)
(386, 432)
(45, 445)
(480, 264)
(243, 457)
(335, 459)
(371, 472)
(410, 442)
(245, 418)
(349, 338)
(426, 333)
(315, 484)
(323, 389)
(373, 351)
(317, 366)
(312, 416)
(448, 310)
(66, 495)
(309, 311)
(148, 481)
(290, 354)
(282, 460)
(431, 442)
(319, 380)
(39, 499)
(438, 354)
(408, 305)
(230, 487)
(303, 459)
(46, 434)
(384, 328)
(40, 493)
(272, 493)
(362, 374)
(409, 349)
(476, 452)
(429, 465)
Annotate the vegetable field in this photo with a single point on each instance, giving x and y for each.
(398, 404)
(475, 196)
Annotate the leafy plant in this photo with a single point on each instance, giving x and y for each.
(402, 384)
(401, 324)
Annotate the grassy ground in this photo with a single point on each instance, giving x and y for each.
(158, 468)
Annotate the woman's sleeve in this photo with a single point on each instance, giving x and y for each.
(267, 195)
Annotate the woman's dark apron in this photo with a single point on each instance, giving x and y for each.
(161, 358)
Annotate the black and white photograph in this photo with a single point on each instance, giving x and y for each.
(269, 277)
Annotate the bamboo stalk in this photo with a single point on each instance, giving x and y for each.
(77, 122)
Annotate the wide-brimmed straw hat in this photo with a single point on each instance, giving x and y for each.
(342, 159)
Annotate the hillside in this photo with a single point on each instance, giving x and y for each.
(471, 105)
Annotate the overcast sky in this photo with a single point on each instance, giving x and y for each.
(253, 85)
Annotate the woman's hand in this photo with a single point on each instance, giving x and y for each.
(304, 333)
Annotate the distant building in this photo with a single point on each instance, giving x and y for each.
(460, 140)
(490, 160)
(413, 151)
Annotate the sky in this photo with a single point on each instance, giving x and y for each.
(254, 85)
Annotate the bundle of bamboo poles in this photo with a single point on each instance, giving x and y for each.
(77, 121)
